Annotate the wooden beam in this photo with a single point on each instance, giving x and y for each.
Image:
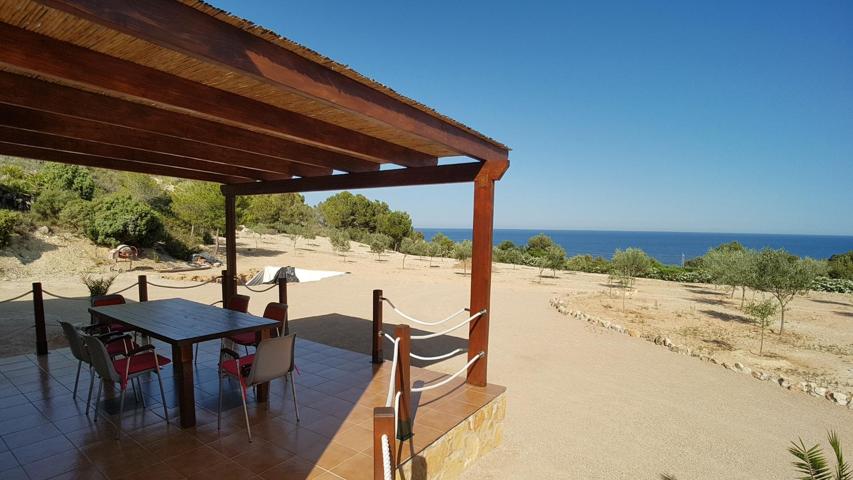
(86, 68)
(73, 127)
(48, 155)
(401, 177)
(50, 97)
(481, 276)
(72, 145)
(208, 39)
(231, 245)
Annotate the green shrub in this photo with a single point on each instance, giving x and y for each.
(71, 178)
(76, 215)
(9, 220)
(118, 219)
(834, 285)
(178, 242)
(50, 203)
(588, 263)
(841, 265)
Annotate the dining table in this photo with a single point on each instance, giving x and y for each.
(181, 324)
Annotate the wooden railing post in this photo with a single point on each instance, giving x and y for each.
(143, 288)
(282, 290)
(226, 289)
(38, 314)
(403, 382)
(383, 424)
(377, 328)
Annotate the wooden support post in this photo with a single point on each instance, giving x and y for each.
(225, 288)
(403, 382)
(282, 299)
(143, 288)
(38, 314)
(481, 277)
(378, 337)
(231, 243)
(383, 424)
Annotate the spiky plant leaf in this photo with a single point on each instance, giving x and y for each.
(842, 469)
(812, 463)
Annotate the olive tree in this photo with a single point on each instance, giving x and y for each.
(462, 252)
(731, 267)
(555, 257)
(761, 313)
(378, 243)
(784, 276)
(626, 265)
(340, 242)
(409, 246)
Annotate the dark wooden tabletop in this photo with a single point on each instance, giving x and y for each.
(176, 320)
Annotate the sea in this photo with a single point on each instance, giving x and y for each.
(667, 247)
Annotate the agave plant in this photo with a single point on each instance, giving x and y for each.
(812, 463)
(97, 285)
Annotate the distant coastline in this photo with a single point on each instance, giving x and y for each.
(666, 247)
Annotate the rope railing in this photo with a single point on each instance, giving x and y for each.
(438, 357)
(421, 322)
(184, 287)
(15, 298)
(388, 474)
(390, 396)
(448, 379)
(258, 290)
(126, 288)
(51, 294)
(445, 332)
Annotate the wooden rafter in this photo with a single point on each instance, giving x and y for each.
(457, 173)
(210, 40)
(49, 155)
(73, 127)
(61, 61)
(49, 97)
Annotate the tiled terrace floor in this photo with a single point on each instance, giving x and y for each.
(45, 433)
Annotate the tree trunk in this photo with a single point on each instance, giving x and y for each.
(761, 347)
(404, 261)
(742, 296)
(216, 244)
(782, 324)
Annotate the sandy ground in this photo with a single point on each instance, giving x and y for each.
(583, 402)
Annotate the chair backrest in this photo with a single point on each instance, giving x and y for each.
(273, 359)
(106, 300)
(277, 311)
(75, 341)
(239, 303)
(101, 361)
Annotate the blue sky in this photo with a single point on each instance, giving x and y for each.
(726, 116)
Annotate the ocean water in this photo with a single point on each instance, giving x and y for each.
(666, 247)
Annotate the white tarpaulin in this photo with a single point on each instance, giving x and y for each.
(301, 275)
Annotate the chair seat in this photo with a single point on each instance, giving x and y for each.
(230, 366)
(245, 338)
(119, 327)
(139, 363)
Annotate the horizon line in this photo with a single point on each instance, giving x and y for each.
(644, 231)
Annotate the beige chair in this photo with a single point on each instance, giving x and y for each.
(272, 359)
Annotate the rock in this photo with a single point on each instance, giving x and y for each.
(713, 360)
(44, 230)
(633, 333)
(761, 375)
(819, 391)
(658, 340)
(741, 368)
(784, 382)
(667, 342)
(837, 397)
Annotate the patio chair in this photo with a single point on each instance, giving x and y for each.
(273, 359)
(113, 299)
(274, 311)
(238, 303)
(136, 362)
(117, 344)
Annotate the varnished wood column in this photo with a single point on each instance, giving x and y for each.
(230, 244)
(481, 276)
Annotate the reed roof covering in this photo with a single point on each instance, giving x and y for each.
(182, 76)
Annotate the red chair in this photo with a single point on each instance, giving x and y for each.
(274, 311)
(273, 359)
(238, 303)
(107, 300)
(120, 371)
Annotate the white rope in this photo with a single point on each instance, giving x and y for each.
(448, 379)
(393, 373)
(389, 337)
(386, 457)
(439, 357)
(438, 334)
(421, 322)
(397, 412)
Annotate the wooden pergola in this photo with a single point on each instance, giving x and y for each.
(182, 89)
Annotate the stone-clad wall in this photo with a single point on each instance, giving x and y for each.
(450, 455)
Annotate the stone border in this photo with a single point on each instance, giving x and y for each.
(838, 398)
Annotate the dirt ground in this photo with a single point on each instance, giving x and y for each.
(582, 402)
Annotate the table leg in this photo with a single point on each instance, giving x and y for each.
(182, 360)
(263, 389)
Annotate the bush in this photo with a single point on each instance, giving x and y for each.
(76, 215)
(834, 285)
(50, 203)
(118, 219)
(71, 178)
(841, 265)
(8, 222)
(588, 264)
